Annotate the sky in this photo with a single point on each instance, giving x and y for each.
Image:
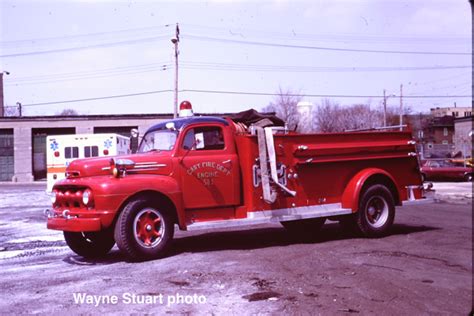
(116, 57)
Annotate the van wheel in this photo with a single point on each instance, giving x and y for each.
(304, 227)
(144, 231)
(90, 244)
(468, 177)
(376, 212)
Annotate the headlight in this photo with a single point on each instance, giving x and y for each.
(53, 195)
(87, 197)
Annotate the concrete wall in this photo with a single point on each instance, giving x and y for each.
(22, 153)
(462, 140)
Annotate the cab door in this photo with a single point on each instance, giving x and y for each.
(210, 174)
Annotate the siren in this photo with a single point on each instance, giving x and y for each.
(185, 109)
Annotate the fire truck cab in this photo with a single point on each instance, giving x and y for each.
(212, 172)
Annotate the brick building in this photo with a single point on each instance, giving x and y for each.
(463, 130)
(452, 111)
(23, 139)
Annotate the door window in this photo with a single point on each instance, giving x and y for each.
(204, 138)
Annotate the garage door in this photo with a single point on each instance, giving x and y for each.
(6, 154)
(39, 148)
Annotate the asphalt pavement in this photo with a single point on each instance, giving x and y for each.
(423, 267)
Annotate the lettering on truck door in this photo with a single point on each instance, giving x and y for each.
(209, 169)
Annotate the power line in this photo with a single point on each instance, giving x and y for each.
(444, 78)
(239, 93)
(163, 66)
(450, 87)
(255, 43)
(78, 36)
(292, 34)
(320, 95)
(62, 50)
(282, 68)
(117, 71)
(98, 98)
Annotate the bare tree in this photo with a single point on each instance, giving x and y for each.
(326, 117)
(11, 111)
(68, 112)
(285, 107)
(393, 114)
(331, 117)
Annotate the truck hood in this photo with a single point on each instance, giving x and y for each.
(147, 163)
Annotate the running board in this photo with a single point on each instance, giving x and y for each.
(273, 216)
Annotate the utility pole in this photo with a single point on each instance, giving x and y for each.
(175, 41)
(18, 104)
(401, 107)
(2, 102)
(384, 109)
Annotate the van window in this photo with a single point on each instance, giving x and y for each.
(71, 152)
(91, 151)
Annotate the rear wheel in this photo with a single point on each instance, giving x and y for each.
(376, 212)
(144, 231)
(468, 177)
(90, 244)
(304, 227)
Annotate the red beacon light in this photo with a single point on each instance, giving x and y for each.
(185, 109)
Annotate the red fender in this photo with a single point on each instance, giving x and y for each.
(115, 192)
(164, 185)
(350, 197)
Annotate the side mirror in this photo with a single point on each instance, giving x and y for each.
(134, 139)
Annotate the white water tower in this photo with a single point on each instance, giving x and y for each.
(305, 111)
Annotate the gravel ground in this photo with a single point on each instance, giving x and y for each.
(423, 267)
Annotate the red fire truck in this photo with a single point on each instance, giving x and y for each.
(213, 172)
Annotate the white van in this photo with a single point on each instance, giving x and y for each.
(62, 149)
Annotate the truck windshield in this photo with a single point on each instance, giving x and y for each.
(158, 140)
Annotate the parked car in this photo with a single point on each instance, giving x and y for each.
(445, 170)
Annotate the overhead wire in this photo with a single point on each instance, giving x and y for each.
(100, 73)
(319, 95)
(235, 93)
(283, 68)
(163, 66)
(338, 37)
(322, 48)
(69, 49)
(79, 36)
(99, 98)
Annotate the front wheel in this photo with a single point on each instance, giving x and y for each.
(144, 231)
(376, 212)
(90, 244)
(468, 177)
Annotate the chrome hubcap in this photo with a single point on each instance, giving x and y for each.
(148, 228)
(377, 211)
